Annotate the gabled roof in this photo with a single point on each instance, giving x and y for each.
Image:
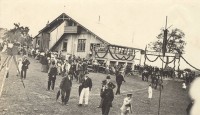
(97, 29)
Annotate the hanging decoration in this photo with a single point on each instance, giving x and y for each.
(168, 62)
(151, 60)
(96, 53)
(116, 57)
(189, 63)
(113, 55)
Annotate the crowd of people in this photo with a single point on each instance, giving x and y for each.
(76, 68)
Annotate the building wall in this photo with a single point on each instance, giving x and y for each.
(56, 34)
(72, 44)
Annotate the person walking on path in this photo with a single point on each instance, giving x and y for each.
(52, 75)
(107, 97)
(86, 88)
(119, 80)
(65, 89)
(25, 64)
(105, 84)
(126, 107)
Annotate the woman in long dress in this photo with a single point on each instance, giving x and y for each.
(19, 66)
(150, 92)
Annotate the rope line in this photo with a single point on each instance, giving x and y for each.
(168, 62)
(189, 63)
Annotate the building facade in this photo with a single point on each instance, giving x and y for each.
(66, 35)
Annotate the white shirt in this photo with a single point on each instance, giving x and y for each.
(126, 101)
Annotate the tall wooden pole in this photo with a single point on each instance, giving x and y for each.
(161, 75)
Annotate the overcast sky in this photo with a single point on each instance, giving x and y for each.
(137, 20)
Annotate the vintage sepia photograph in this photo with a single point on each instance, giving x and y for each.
(99, 57)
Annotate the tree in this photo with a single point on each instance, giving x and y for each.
(175, 42)
(19, 34)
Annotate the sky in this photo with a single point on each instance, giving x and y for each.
(138, 21)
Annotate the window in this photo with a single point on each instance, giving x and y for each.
(81, 45)
(38, 42)
(64, 47)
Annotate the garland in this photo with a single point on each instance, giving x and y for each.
(168, 62)
(116, 57)
(189, 63)
(149, 59)
(122, 58)
(103, 55)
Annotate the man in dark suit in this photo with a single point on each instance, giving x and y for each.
(105, 84)
(119, 79)
(107, 97)
(25, 64)
(52, 75)
(65, 89)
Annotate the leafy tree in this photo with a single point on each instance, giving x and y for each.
(19, 34)
(175, 42)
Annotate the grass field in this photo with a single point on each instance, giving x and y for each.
(35, 100)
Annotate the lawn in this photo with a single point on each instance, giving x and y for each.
(35, 100)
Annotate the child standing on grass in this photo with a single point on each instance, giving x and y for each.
(184, 86)
(150, 92)
(126, 107)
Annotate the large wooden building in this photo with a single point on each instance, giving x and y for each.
(69, 36)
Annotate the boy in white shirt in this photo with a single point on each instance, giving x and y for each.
(126, 107)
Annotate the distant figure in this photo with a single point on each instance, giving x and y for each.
(184, 86)
(126, 107)
(19, 66)
(52, 76)
(25, 64)
(150, 93)
(119, 80)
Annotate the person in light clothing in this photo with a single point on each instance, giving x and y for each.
(150, 92)
(126, 107)
(86, 88)
(184, 86)
(19, 66)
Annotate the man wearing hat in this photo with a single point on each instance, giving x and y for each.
(25, 64)
(65, 89)
(105, 84)
(107, 97)
(126, 107)
(119, 79)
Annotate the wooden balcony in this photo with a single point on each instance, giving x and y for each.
(71, 29)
